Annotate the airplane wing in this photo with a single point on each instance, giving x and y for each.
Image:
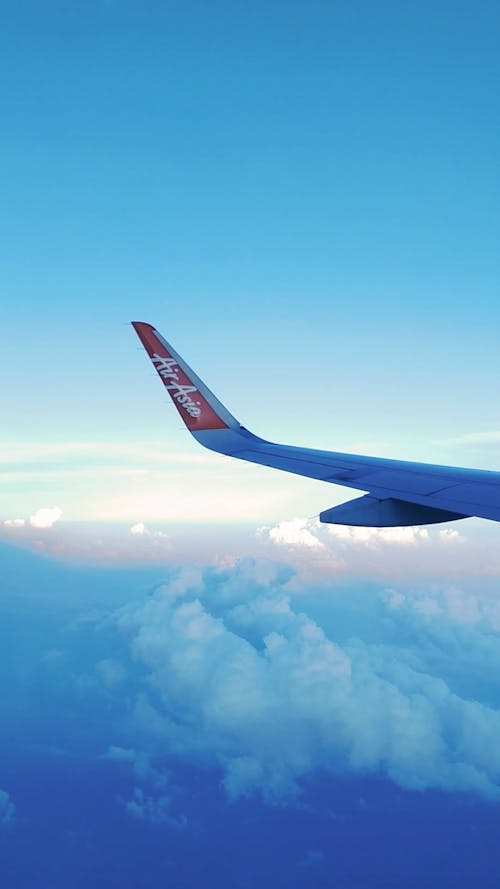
(397, 492)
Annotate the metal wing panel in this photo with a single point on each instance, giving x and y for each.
(448, 488)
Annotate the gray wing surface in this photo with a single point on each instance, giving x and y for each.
(396, 492)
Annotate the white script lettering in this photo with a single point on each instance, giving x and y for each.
(168, 370)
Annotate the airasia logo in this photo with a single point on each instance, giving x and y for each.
(181, 394)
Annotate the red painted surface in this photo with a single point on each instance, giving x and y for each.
(194, 409)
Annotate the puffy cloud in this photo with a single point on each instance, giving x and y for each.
(7, 808)
(374, 536)
(45, 517)
(239, 675)
(450, 534)
(152, 537)
(317, 549)
(138, 529)
(295, 533)
(147, 805)
(312, 534)
(153, 809)
(455, 606)
(140, 761)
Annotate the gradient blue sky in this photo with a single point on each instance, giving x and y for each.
(198, 684)
(303, 198)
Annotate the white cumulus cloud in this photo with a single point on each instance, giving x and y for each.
(374, 536)
(296, 532)
(45, 517)
(239, 675)
(138, 529)
(313, 535)
(450, 534)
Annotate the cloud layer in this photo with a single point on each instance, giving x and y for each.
(273, 685)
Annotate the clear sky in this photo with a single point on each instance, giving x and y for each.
(199, 685)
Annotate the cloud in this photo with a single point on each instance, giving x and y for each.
(450, 534)
(45, 517)
(138, 529)
(140, 761)
(147, 805)
(320, 550)
(312, 534)
(7, 808)
(375, 536)
(272, 685)
(120, 754)
(294, 533)
(156, 810)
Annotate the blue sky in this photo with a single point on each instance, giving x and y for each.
(302, 198)
(197, 680)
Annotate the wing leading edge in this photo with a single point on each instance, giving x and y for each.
(397, 492)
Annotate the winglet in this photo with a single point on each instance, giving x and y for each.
(196, 404)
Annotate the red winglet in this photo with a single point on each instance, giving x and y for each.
(192, 405)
